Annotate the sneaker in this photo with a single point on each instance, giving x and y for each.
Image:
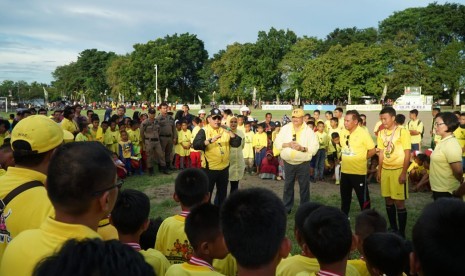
(278, 178)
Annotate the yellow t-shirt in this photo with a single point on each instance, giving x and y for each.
(106, 230)
(361, 267)
(94, 132)
(81, 137)
(260, 140)
(2, 172)
(247, 151)
(354, 151)
(172, 240)
(125, 148)
(27, 210)
(187, 269)
(399, 141)
(68, 125)
(441, 177)
(134, 136)
(241, 128)
(31, 246)
(301, 265)
(459, 134)
(416, 167)
(216, 153)
(323, 139)
(184, 138)
(332, 130)
(418, 126)
(157, 260)
(226, 266)
(327, 126)
(113, 139)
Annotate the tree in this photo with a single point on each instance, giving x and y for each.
(347, 36)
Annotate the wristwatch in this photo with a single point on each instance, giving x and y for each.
(210, 140)
(304, 150)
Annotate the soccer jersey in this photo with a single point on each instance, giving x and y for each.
(172, 240)
(27, 210)
(322, 139)
(394, 143)
(187, 269)
(247, 151)
(354, 151)
(459, 134)
(418, 126)
(31, 246)
(157, 260)
(217, 153)
(441, 177)
(260, 140)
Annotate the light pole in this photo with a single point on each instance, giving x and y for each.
(156, 85)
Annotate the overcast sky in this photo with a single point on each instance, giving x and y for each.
(36, 36)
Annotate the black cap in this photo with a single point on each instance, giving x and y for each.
(215, 112)
(152, 110)
(277, 124)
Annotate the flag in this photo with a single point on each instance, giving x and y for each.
(166, 95)
(200, 99)
(45, 94)
(296, 97)
(384, 93)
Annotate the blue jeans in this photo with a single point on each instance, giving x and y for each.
(320, 158)
(415, 147)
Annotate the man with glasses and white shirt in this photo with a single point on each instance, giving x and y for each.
(357, 148)
(215, 140)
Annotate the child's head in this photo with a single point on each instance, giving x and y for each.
(328, 115)
(400, 119)
(333, 122)
(328, 235)
(184, 125)
(302, 213)
(134, 124)
(240, 120)
(112, 125)
(124, 135)
(178, 125)
(247, 126)
(316, 114)
(366, 223)
(121, 126)
(191, 188)
(204, 232)
(95, 121)
(254, 226)
(83, 127)
(335, 137)
(420, 159)
(437, 241)
(320, 126)
(260, 128)
(196, 121)
(131, 212)
(104, 125)
(385, 254)
(311, 124)
(148, 237)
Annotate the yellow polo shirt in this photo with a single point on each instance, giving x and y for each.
(157, 260)
(260, 140)
(217, 153)
(31, 246)
(106, 230)
(172, 240)
(28, 209)
(354, 151)
(68, 125)
(187, 269)
(226, 266)
(418, 126)
(459, 134)
(400, 142)
(247, 151)
(441, 177)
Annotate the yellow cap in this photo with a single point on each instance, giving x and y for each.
(297, 113)
(40, 132)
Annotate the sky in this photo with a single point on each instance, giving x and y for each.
(36, 36)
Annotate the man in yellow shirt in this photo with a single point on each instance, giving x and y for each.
(68, 123)
(459, 134)
(394, 160)
(33, 141)
(357, 148)
(297, 144)
(81, 196)
(416, 128)
(215, 141)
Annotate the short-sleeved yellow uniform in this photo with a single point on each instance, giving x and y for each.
(187, 269)
(69, 125)
(184, 138)
(418, 126)
(157, 260)
(247, 151)
(27, 210)
(301, 265)
(441, 177)
(459, 134)
(172, 240)
(31, 246)
(226, 266)
(323, 139)
(393, 161)
(354, 151)
(260, 140)
(106, 230)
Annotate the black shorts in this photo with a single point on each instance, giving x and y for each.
(332, 157)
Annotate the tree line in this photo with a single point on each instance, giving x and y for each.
(414, 47)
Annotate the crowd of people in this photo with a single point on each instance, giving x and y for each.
(63, 203)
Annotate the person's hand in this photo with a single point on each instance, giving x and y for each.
(378, 176)
(402, 178)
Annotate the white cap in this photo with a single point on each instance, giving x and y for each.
(201, 111)
(244, 109)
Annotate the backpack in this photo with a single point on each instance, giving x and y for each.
(16, 191)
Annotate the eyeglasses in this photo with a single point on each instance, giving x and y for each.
(216, 118)
(118, 184)
(438, 124)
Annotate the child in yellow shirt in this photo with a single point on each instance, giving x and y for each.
(259, 143)
(83, 135)
(113, 138)
(248, 151)
(320, 156)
